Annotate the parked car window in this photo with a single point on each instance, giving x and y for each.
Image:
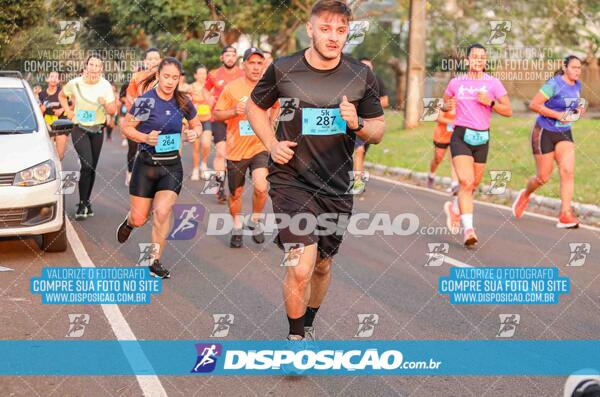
(16, 113)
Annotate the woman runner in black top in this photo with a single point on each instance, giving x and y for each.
(155, 122)
(53, 111)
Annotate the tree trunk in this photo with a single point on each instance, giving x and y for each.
(401, 89)
(591, 79)
(415, 75)
(399, 68)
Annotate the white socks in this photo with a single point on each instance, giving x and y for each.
(467, 221)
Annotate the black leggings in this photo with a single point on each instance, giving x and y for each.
(132, 147)
(88, 146)
(108, 131)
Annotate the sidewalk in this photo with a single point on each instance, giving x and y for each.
(587, 213)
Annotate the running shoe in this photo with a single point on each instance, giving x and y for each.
(359, 186)
(157, 270)
(470, 238)
(567, 220)
(204, 172)
(452, 218)
(236, 238)
(520, 204)
(81, 212)
(258, 234)
(309, 333)
(88, 206)
(195, 174)
(123, 231)
(430, 181)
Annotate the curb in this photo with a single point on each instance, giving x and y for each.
(588, 212)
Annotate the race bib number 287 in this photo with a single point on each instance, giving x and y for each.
(317, 121)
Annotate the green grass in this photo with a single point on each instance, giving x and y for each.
(510, 149)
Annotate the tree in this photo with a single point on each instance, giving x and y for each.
(16, 17)
(415, 76)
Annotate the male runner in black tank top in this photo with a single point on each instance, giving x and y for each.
(311, 152)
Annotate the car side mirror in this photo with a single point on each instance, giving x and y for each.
(61, 127)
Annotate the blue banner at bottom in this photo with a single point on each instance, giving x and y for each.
(406, 358)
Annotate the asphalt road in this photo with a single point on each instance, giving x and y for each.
(381, 274)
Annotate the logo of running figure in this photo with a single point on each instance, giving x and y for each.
(499, 181)
(292, 254)
(77, 324)
(358, 182)
(211, 185)
(186, 219)
(142, 108)
(574, 108)
(68, 32)
(498, 32)
(212, 31)
(431, 109)
(358, 31)
(366, 325)
(68, 182)
(436, 254)
(223, 323)
(148, 252)
(579, 253)
(288, 108)
(207, 357)
(508, 325)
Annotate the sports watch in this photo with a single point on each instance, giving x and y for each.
(361, 125)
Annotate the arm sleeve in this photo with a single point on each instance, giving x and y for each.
(133, 108)
(266, 93)
(189, 112)
(547, 89)
(381, 86)
(369, 106)
(68, 89)
(499, 90)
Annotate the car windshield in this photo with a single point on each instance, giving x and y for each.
(16, 114)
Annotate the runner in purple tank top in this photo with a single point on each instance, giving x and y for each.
(558, 104)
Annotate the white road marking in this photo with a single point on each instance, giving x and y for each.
(503, 207)
(454, 262)
(150, 384)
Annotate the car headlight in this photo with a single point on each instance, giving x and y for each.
(36, 175)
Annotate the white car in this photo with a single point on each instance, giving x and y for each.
(31, 202)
